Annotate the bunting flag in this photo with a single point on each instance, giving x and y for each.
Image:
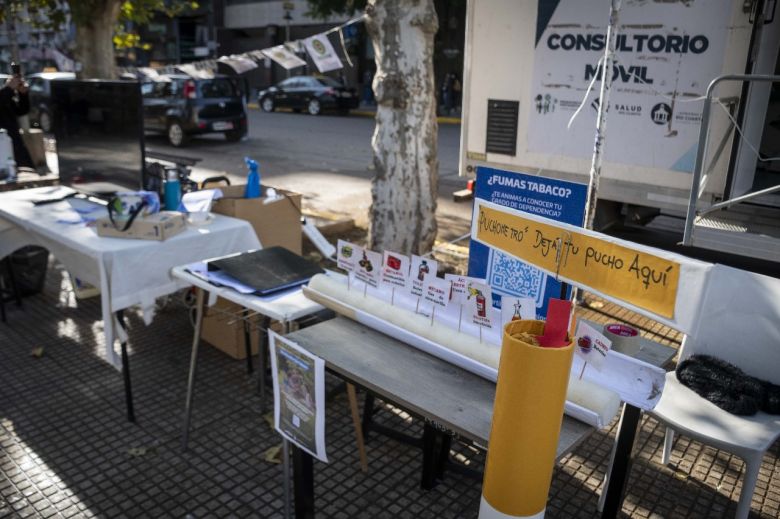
(318, 47)
(284, 57)
(322, 53)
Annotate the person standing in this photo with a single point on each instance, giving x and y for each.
(15, 102)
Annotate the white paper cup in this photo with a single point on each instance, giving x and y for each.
(625, 339)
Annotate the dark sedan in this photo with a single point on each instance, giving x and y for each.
(40, 97)
(310, 93)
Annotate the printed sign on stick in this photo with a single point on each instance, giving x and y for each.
(515, 308)
(460, 291)
(592, 346)
(348, 255)
(421, 267)
(395, 270)
(369, 267)
(437, 291)
(478, 305)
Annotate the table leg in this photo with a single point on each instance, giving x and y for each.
(262, 348)
(443, 455)
(430, 458)
(193, 364)
(248, 344)
(368, 414)
(286, 476)
(303, 475)
(615, 484)
(120, 318)
(353, 408)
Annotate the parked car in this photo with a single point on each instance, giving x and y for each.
(311, 93)
(182, 106)
(40, 97)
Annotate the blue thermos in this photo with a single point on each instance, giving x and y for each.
(252, 179)
(172, 191)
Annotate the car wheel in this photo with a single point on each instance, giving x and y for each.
(234, 135)
(314, 107)
(267, 104)
(176, 135)
(44, 121)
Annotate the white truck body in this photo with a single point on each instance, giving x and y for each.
(541, 55)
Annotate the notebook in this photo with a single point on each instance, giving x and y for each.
(268, 270)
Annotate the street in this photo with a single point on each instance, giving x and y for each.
(327, 158)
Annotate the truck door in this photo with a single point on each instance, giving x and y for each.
(760, 119)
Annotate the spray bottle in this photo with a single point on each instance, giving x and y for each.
(252, 179)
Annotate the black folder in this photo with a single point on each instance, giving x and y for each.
(268, 270)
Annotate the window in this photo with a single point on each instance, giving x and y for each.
(36, 85)
(220, 87)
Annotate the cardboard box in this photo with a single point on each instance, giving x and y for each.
(158, 226)
(275, 223)
(228, 338)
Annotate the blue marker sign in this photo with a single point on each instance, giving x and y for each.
(557, 200)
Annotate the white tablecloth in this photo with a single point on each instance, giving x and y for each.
(128, 272)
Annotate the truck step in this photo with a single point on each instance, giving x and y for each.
(730, 233)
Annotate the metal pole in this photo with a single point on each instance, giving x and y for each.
(287, 18)
(601, 122)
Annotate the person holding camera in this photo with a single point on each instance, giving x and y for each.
(15, 102)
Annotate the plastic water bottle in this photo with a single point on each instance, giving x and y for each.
(252, 180)
(172, 193)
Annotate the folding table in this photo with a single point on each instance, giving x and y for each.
(128, 272)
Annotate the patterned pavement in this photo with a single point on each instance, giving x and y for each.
(66, 449)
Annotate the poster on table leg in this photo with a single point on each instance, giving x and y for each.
(299, 395)
(558, 200)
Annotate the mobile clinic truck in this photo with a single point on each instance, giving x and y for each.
(528, 68)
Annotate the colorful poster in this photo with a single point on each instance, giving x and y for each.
(322, 53)
(299, 395)
(281, 55)
(369, 267)
(421, 267)
(667, 53)
(347, 255)
(555, 199)
(395, 270)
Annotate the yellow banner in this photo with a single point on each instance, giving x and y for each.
(636, 277)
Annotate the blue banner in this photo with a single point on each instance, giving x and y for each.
(557, 200)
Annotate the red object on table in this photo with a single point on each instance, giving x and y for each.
(556, 327)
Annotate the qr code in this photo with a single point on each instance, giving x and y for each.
(509, 276)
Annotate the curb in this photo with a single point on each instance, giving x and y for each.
(368, 113)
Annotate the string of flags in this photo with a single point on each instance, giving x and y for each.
(318, 47)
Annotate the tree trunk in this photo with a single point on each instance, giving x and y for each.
(402, 214)
(94, 41)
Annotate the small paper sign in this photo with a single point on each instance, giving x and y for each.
(478, 304)
(395, 270)
(515, 308)
(421, 267)
(437, 291)
(460, 286)
(369, 267)
(348, 255)
(592, 346)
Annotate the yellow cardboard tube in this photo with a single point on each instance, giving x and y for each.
(527, 416)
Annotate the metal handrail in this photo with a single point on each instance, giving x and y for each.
(701, 150)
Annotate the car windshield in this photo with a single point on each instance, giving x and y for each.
(220, 87)
(329, 82)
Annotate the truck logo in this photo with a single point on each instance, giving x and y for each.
(545, 104)
(661, 113)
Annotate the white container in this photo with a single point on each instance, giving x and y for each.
(7, 163)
